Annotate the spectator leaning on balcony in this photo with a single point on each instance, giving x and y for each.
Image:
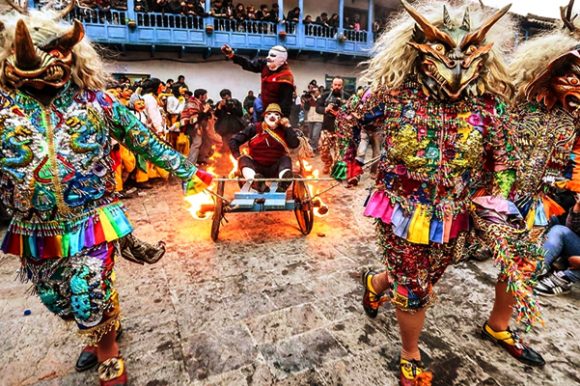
(329, 105)
(294, 15)
(277, 83)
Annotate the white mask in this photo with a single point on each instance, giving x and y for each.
(272, 119)
(277, 56)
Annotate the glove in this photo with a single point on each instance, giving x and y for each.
(197, 183)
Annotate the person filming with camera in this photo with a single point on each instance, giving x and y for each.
(329, 105)
(312, 119)
(228, 113)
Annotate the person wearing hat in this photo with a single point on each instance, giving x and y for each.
(269, 143)
(277, 84)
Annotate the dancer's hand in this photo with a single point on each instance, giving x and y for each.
(197, 183)
(228, 51)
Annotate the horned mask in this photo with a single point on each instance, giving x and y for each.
(41, 58)
(451, 57)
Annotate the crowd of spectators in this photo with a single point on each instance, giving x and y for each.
(227, 16)
(187, 120)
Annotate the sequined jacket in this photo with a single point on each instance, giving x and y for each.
(547, 142)
(57, 171)
(436, 153)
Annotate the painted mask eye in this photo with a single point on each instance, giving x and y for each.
(574, 81)
(440, 48)
(56, 54)
(470, 50)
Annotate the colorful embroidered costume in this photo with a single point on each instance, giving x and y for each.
(544, 119)
(436, 86)
(58, 171)
(435, 152)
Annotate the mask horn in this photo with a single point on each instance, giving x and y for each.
(66, 10)
(72, 36)
(24, 48)
(21, 9)
(446, 18)
(430, 31)
(566, 15)
(478, 36)
(466, 24)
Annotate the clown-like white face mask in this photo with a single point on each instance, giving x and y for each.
(277, 57)
(272, 119)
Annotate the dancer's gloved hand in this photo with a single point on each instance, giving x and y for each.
(227, 51)
(197, 183)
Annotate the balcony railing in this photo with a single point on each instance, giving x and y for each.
(160, 20)
(127, 27)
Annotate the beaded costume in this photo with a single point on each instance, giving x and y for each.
(436, 89)
(545, 120)
(58, 172)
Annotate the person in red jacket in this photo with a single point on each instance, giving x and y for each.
(268, 143)
(277, 78)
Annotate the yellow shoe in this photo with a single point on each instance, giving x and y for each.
(371, 300)
(413, 373)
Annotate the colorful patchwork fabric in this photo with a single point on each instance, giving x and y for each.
(436, 153)
(80, 287)
(56, 161)
(413, 269)
(548, 142)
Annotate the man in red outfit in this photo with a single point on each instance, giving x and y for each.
(277, 78)
(268, 143)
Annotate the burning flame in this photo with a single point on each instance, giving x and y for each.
(202, 204)
(234, 170)
(308, 171)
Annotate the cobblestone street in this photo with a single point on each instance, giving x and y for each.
(265, 305)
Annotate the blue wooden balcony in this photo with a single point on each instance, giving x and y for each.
(151, 31)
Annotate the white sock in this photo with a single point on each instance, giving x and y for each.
(248, 173)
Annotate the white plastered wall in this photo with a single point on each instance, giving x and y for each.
(216, 75)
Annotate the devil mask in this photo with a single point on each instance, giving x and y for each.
(451, 57)
(558, 83)
(41, 57)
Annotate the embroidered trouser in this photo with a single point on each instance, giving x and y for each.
(80, 287)
(328, 148)
(413, 268)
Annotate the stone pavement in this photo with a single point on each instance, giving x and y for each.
(266, 306)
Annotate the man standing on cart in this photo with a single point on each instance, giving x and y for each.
(269, 144)
(277, 85)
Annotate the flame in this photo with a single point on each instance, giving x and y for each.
(199, 205)
(233, 173)
(308, 171)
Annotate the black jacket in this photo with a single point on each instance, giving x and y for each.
(229, 118)
(327, 98)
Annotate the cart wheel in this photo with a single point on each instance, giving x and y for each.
(304, 210)
(218, 212)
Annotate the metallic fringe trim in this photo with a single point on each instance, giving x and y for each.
(94, 335)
